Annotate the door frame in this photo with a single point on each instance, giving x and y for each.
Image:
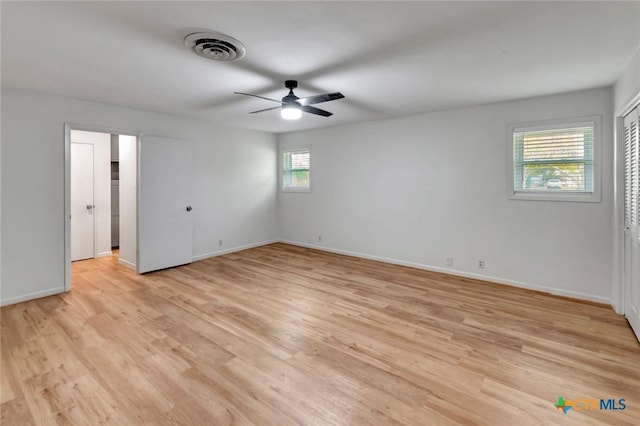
(618, 290)
(68, 127)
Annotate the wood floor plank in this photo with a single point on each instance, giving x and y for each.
(284, 335)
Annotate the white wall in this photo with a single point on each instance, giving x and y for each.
(414, 189)
(627, 86)
(128, 166)
(235, 183)
(101, 187)
(422, 188)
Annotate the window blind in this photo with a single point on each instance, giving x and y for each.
(631, 171)
(556, 159)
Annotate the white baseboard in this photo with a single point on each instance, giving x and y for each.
(31, 296)
(127, 264)
(550, 290)
(105, 254)
(233, 250)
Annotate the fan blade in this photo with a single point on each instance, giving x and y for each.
(258, 96)
(316, 111)
(310, 100)
(263, 110)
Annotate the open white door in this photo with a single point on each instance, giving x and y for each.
(165, 226)
(82, 202)
(632, 219)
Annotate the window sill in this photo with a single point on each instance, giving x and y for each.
(299, 190)
(578, 197)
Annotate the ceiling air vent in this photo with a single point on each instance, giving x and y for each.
(217, 46)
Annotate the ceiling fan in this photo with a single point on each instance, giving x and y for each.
(293, 106)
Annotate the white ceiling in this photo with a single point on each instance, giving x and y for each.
(388, 58)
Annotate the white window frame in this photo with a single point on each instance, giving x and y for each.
(595, 196)
(281, 168)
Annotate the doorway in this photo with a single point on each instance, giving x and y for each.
(100, 196)
(155, 182)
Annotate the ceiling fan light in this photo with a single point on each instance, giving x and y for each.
(290, 112)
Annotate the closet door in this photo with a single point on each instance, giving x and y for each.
(82, 202)
(631, 223)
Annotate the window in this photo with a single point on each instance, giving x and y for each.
(295, 170)
(556, 160)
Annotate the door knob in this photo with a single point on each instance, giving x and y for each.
(90, 206)
(189, 208)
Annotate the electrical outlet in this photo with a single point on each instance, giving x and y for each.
(449, 261)
(319, 238)
(220, 243)
(480, 263)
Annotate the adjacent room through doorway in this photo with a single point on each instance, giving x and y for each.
(102, 196)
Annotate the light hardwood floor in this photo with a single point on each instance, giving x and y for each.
(281, 335)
